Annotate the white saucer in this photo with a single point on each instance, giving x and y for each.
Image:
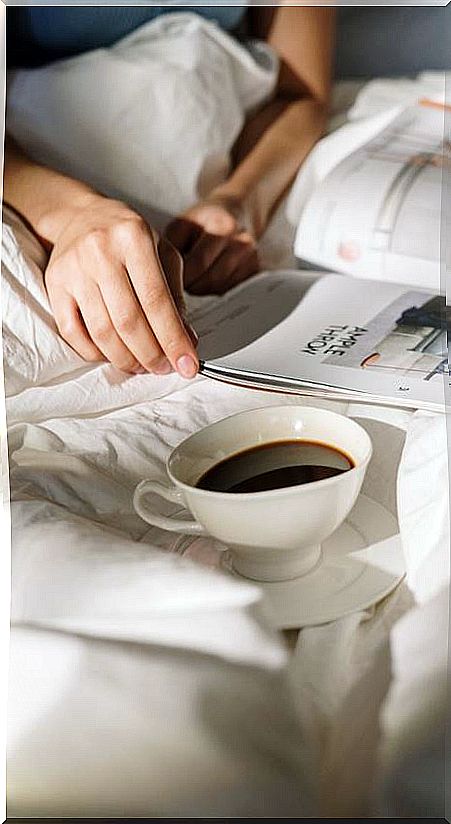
(361, 563)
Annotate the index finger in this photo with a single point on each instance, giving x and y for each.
(149, 282)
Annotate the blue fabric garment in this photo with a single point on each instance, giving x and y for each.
(371, 42)
(41, 34)
(392, 41)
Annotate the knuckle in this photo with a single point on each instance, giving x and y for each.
(126, 364)
(174, 344)
(101, 330)
(67, 328)
(129, 229)
(152, 361)
(92, 355)
(57, 275)
(126, 322)
(96, 241)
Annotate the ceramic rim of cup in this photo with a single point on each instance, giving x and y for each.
(277, 491)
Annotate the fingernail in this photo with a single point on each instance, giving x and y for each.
(187, 366)
(163, 368)
(139, 370)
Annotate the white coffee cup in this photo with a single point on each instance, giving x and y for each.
(273, 535)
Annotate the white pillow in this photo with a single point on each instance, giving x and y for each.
(151, 119)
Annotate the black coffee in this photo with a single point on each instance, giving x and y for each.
(275, 466)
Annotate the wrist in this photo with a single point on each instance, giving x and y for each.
(230, 196)
(62, 209)
(47, 199)
(264, 174)
(227, 197)
(251, 200)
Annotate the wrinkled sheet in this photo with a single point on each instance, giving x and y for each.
(113, 621)
(85, 566)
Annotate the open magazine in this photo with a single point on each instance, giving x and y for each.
(331, 335)
(380, 335)
(377, 213)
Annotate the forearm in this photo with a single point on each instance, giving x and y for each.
(44, 197)
(275, 141)
(271, 149)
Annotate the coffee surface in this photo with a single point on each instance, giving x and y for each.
(275, 465)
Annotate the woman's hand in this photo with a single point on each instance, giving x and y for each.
(115, 288)
(218, 252)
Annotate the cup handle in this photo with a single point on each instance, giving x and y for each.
(148, 514)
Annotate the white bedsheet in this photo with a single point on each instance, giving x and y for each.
(85, 565)
(111, 626)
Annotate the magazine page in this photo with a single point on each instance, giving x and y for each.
(374, 340)
(377, 214)
(248, 311)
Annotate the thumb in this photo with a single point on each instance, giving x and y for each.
(172, 265)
